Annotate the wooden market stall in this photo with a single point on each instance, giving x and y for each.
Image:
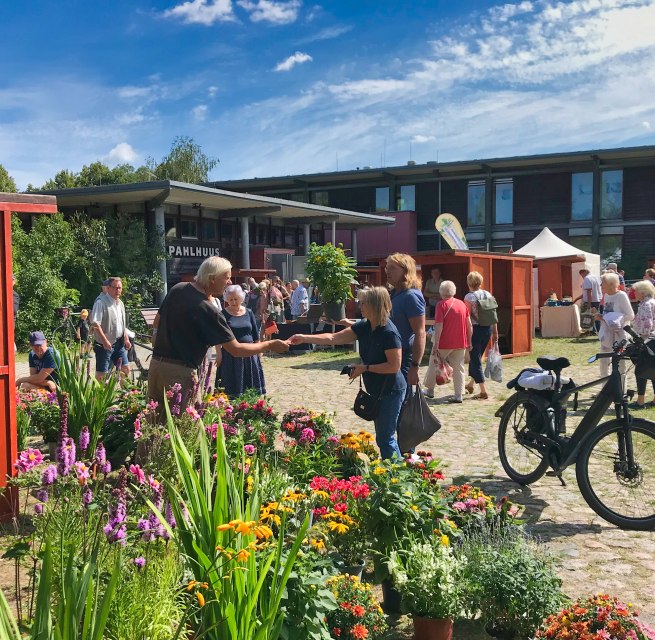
(507, 276)
(21, 203)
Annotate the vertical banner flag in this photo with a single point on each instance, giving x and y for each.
(451, 231)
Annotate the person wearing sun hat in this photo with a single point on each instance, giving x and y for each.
(43, 366)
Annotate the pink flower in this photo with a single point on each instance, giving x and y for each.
(28, 459)
(459, 506)
(82, 472)
(249, 449)
(193, 413)
(136, 470)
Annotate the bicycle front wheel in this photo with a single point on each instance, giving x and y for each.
(522, 462)
(616, 473)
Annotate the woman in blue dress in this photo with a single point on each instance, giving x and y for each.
(236, 375)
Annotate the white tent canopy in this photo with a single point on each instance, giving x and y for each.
(548, 245)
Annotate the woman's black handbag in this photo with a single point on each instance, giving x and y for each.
(416, 423)
(645, 363)
(366, 406)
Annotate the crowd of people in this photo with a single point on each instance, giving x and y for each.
(212, 313)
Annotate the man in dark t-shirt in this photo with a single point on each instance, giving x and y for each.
(43, 367)
(188, 323)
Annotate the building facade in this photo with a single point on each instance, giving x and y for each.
(600, 201)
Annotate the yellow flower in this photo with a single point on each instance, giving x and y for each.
(201, 598)
(318, 544)
(249, 483)
(321, 494)
(395, 481)
(413, 507)
(445, 540)
(338, 527)
(242, 527)
(262, 531)
(378, 471)
(243, 555)
(192, 583)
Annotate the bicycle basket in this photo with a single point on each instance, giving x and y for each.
(62, 312)
(645, 361)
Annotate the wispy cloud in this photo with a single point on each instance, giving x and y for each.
(421, 139)
(273, 12)
(206, 12)
(200, 112)
(212, 91)
(289, 63)
(329, 33)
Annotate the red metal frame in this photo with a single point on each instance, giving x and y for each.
(9, 203)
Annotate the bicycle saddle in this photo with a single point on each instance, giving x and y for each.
(553, 363)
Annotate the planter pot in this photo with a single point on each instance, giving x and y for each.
(334, 310)
(433, 628)
(500, 631)
(390, 597)
(353, 569)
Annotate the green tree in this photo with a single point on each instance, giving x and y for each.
(185, 162)
(7, 183)
(65, 179)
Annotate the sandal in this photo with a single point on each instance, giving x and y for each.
(469, 387)
(481, 396)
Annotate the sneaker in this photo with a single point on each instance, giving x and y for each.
(429, 393)
(455, 400)
(635, 406)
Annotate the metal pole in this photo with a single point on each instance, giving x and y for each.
(353, 235)
(245, 242)
(334, 232)
(160, 233)
(308, 237)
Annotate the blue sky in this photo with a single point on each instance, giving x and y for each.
(276, 88)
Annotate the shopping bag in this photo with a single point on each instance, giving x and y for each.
(416, 423)
(443, 371)
(586, 321)
(270, 327)
(494, 367)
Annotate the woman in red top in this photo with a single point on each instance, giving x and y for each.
(452, 338)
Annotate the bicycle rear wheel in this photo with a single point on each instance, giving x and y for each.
(618, 486)
(522, 463)
(65, 333)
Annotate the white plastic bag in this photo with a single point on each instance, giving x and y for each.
(494, 367)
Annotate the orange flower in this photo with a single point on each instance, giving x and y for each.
(201, 598)
(359, 611)
(359, 631)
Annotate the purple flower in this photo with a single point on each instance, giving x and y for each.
(38, 508)
(65, 455)
(249, 449)
(87, 496)
(307, 436)
(115, 530)
(136, 470)
(28, 459)
(101, 455)
(139, 562)
(49, 475)
(106, 467)
(42, 495)
(85, 439)
(170, 518)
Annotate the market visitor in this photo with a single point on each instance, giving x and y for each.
(408, 312)
(236, 375)
(452, 339)
(299, 298)
(481, 333)
(617, 312)
(82, 333)
(42, 363)
(431, 289)
(111, 341)
(644, 325)
(187, 324)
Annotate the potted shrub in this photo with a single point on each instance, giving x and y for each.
(599, 616)
(426, 573)
(510, 582)
(333, 272)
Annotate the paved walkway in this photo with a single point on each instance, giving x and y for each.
(594, 555)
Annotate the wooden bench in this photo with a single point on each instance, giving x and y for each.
(149, 316)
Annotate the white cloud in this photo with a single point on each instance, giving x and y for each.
(329, 33)
(421, 139)
(273, 12)
(507, 11)
(122, 153)
(200, 112)
(132, 93)
(212, 91)
(646, 125)
(205, 12)
(289, 63)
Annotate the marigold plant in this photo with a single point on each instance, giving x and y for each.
(358, 616)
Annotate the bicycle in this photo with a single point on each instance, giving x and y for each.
(66, 331)
(614, 460)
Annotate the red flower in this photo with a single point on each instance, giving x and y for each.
(359, 631)
(336, 632)
(359, 611)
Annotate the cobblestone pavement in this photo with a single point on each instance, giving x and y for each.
(594, 555)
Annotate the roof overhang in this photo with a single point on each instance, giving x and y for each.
(229, 203)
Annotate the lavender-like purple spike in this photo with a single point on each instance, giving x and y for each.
(116, 530)
(85, 439)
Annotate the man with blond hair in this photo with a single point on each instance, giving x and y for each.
(187, 324)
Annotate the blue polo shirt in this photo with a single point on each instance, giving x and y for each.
(372, 346)
(406, 304)
(47, 362)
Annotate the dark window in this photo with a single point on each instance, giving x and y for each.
(476, 204)
(382, 199)
(291, 237)
(406, 200)
(170, 229)
(581, 242)
(582, 195)
(320, 197)
(210, 230)
(262, 233)
(189, 229)
(504, 213)
(298, 196)
(611, 195)
(276, 236)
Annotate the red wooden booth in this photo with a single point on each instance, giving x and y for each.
(20, 203)
(507, 276)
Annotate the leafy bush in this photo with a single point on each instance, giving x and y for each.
(332, 271)
(42, 410)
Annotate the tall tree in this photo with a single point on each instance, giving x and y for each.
(185, 162)
(7, 183)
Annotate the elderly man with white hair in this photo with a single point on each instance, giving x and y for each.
(617, 312)
(452, 338)
(299, 299)
(188, 323)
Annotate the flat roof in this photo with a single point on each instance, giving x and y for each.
(231, 204)
(448, 169)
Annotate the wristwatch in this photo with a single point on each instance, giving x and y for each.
(414, 363)
(367, 367)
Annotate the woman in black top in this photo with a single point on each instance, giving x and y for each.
(380, 350)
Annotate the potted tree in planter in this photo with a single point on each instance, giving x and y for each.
(333, 272)
(426, 573)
